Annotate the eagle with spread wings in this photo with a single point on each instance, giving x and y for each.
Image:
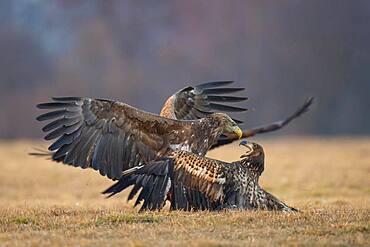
(111, 137)
(192, 182)
(195, 102)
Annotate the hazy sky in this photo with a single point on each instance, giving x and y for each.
(140, 52)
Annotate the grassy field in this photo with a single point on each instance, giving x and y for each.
(44, 203)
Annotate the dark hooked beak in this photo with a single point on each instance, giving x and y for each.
(243, 143)
(248, 145)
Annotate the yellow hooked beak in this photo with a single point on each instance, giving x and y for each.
(237, 131)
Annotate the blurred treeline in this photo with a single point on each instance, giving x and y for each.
(140, 52)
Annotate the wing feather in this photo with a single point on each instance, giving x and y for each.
(105, 135)
(223, 140)
(196, 102)
(202, 174)
(154, 180)
(157, 178)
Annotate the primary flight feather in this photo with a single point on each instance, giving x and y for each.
(195, 102)
(112, 137)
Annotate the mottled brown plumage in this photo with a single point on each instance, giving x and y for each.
(195, 102)
(115, 138)
(112, 137)
(192, 182)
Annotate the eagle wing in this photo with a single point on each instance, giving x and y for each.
(154, 180)
(223, 140)
(196, 102)
(107, 136)
(189, 181)
(157, 182)
(199, 173)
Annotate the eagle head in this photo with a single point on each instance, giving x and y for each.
(253, 149)
(226, 124)
(254, 158)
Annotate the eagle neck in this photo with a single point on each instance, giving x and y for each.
(207, 133)
(254, 165)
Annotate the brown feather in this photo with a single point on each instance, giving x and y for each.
(205, 175)
(112, 136)
(195, 102)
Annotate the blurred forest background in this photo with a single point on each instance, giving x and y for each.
(140, 52)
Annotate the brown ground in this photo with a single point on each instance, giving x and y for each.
(44, 203)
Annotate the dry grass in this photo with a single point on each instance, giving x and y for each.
(43, 203)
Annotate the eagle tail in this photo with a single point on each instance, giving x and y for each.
(254, 200)
(154, 180)
(270, 202)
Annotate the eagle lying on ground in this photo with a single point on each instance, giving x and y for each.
(192, 182)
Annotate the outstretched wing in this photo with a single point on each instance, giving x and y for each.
(202, 174)
(154, 180)
(196, 102)
(107, 136)
(223, 140)
(155, 183)
(192, 182)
